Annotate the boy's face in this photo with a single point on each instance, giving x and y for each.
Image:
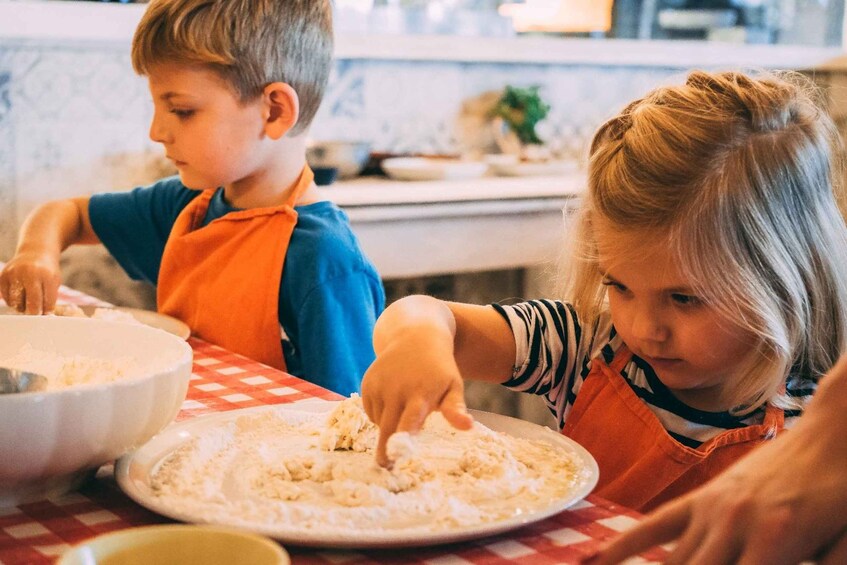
(212, 138)
(694, 350)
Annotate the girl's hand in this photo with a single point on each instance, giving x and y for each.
(784, 503)
(413, 375)
(30, 282)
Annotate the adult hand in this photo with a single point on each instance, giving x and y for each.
(30, 282)
(784, 503)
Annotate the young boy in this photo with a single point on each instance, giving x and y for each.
(238, 244)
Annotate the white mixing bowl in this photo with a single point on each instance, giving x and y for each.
(50, 441)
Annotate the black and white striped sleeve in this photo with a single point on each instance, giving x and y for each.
(553, 351)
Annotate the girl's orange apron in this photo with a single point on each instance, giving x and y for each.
(641, 465)
(223, 279)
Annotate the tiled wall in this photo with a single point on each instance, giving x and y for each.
(74, 117)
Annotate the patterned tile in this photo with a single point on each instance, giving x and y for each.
(8, 201)
(74, 117)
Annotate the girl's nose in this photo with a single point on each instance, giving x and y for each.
(649, 325)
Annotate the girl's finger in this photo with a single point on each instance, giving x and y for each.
(387, 426)
(454, 409)
(414, 416)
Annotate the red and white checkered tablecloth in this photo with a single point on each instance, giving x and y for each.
(39, 532)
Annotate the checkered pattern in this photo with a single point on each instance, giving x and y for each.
(39, 532)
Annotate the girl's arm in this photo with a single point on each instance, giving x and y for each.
(30, 281)
(424, 349)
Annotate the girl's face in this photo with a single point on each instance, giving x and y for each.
(212, 138)
(694, 350)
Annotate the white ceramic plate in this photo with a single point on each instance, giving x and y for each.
(135, 471)
(421, 168)
(146, 317)
(532, 169)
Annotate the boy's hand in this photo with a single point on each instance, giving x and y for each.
(30, 282)
(411, 377)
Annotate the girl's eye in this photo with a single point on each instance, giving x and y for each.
(615, 285)
(685, 299)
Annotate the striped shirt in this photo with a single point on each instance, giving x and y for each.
(555, 353)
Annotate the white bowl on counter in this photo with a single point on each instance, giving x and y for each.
(511, 166)
(51, 441)
(423, 168)
(349, 157)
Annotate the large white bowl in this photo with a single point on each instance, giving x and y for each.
(50, 441)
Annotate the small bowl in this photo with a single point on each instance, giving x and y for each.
(325, 175)
(349, 157)
(421, 168)
(177, 544)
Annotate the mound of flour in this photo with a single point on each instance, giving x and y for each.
(65, 371)
(317, 472)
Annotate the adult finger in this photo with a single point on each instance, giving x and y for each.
(720, 546)
(689, 542)
(769, 542)
(837, 554)
(454, 409)
(666, 524)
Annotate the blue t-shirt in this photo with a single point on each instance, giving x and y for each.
(330, 294)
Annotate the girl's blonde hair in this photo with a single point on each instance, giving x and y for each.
(739, 175)
(249, 43)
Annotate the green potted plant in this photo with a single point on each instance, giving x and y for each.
(516, 114)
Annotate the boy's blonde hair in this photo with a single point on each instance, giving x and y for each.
(249, 43)
(738, 175)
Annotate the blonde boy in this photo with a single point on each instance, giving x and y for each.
(239, 244)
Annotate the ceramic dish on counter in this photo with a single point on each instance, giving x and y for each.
(516, 168)
(272, 471)
(423, 168)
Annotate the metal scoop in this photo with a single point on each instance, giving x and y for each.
(14, 380)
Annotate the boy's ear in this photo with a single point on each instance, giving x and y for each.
(282, 108)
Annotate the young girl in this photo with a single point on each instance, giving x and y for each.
(708, 294)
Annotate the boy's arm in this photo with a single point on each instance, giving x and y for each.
(30, 281)
(424, 349)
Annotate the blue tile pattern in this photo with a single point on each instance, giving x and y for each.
(8, 224)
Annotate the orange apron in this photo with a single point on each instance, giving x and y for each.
(223, 279)
(641, 465)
